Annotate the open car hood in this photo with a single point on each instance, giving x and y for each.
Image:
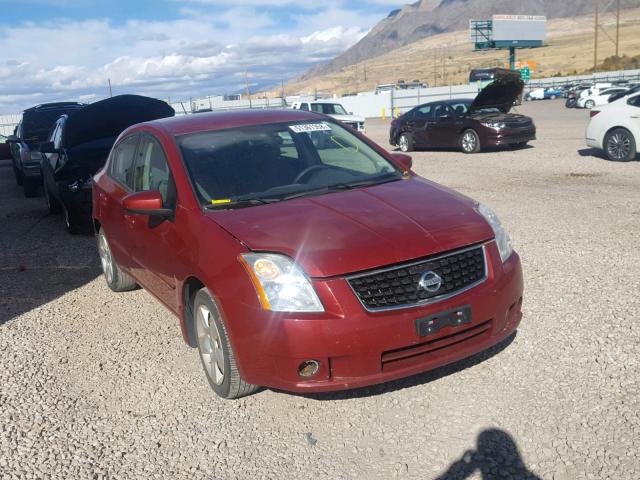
(499, 94)
(108, 118)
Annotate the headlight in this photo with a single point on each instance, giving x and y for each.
(492, 124)
(281, 285)
(502, 237)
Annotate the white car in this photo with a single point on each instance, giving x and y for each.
(615, 129)
(596, 97)
(334, 110)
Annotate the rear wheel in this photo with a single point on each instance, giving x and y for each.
(117, 280)
(469, 141)
(216, 353)
(552, 97)
(589, 104)
(405, 142)
(619, 145)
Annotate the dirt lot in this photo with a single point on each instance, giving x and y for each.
(99, 385)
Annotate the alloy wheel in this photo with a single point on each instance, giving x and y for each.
(210, 344)
(105, 258)
(468, 142)
(404, 143)
(619, 146)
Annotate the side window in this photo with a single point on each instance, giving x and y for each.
(56, 136)
(425, 112)
(151, 171)
(304, 106)
(634, 101)
(122, 160)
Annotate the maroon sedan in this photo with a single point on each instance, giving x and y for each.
(469, 125)
(299, 255)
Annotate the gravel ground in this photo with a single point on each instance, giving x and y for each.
(100, 385)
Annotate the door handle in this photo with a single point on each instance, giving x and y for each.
(635, 116)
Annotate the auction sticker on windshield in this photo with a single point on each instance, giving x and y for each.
(310, 127)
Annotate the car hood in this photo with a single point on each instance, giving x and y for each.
(348, 118)
(500, 94)
(110, 117)
(355, 230)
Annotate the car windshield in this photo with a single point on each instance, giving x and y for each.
(329, 108)
(251, 165)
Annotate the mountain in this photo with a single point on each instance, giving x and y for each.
(431, 17)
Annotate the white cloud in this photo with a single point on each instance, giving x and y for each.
(200, 53)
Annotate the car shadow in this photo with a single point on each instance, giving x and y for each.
(39, 260)
(411, 381)
(496, 457)
(592, 152)
(457, 150)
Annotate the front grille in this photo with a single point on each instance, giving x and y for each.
(397, 287)
(522, 123)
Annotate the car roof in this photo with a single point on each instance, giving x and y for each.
(449, 101)
(202, 122)
(52, 106)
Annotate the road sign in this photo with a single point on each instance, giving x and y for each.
(525, 73)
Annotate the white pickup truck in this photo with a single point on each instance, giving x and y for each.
(334, 110)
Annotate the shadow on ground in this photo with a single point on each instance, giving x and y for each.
(39, 260)
(496, 457)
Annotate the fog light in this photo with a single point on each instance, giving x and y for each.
(308, 368)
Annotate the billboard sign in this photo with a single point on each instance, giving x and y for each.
(519, 30)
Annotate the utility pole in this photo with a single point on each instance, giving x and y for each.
(365, 71)
(110, 91)
(617, 27)
(246, 87)
(284, 101)
(595, 36)
(435, 68)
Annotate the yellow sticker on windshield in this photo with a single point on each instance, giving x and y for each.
(222, 200)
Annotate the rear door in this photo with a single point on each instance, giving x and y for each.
(419, 123)
(633, 107)
(155, 240)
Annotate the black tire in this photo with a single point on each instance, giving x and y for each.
(519, 145)
(470, 141)
(619, 145)
(214, 349)
(552, 97)
(18, 175)
(52, 204)
(116, 279)
(570, 102)
(71, 222)
(30, 187)
(405, 142)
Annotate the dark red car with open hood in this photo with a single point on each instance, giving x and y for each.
(469, 125)
(299, 255)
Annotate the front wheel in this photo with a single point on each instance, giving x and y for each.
(589, 104)
(405, 142)
(469, 141)
(52, 204)
(116, 279)
(216, 354)
(619, 145)
(30, 187)
(18, 174)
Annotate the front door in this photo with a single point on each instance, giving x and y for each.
(419, 125)
(155, 240)
(443, 130)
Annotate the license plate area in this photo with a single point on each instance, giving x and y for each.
(432, 324)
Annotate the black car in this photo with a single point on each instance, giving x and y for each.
(79, 146)
(34, 129)
(470, 125)
(615, 96)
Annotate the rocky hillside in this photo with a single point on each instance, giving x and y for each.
(426, 18)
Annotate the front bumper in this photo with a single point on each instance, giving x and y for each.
(510, 136)
(78, 203)
(357, 348)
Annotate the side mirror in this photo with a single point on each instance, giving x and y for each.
(12, 139)
(405, 160)
(48, 147)
(146, 203)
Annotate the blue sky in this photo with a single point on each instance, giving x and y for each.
(177, 49)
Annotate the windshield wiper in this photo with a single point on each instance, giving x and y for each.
(340, 186)
(240, 203)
